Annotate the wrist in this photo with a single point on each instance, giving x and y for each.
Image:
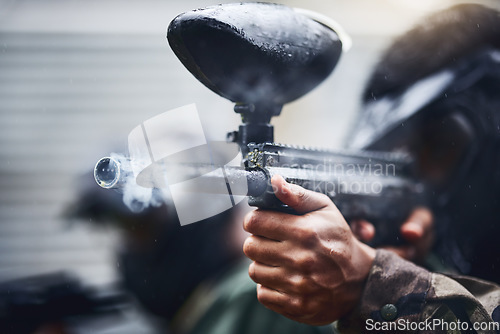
(363, 257)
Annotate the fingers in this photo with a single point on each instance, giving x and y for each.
(279, 279)
(309, 267)
(270, 277)
(282, 226)
(293, 307)
(418, 231)
(363, 230)
(270, 224)
(274, 299)
(263, 250)
(308, 309)
(298, 198)
(418, 225)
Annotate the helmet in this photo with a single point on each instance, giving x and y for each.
(445, 112)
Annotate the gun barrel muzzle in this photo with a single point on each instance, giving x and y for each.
(108, 173)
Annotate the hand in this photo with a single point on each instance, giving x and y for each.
(417, 231)
(309, 267)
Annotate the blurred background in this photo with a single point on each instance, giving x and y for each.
(77, 76)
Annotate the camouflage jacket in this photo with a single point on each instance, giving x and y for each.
(400, 297)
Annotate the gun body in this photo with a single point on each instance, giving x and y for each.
(375, 186)
(260, 78)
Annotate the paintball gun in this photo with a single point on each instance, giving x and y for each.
(261, 56)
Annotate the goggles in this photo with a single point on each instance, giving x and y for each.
(441, 121)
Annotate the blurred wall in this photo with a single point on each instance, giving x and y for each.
(77, 76)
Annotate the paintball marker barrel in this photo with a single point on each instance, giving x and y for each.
(111, 173)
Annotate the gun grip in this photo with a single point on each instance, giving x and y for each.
(268, 200)
(387, 233)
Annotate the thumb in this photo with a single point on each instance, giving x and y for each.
(299, 199)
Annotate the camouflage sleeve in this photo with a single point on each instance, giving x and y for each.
(400, 297)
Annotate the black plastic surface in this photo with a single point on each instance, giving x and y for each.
(257, 53)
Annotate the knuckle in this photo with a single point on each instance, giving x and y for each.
(300, 284)
(301, 193)
(300, 196)
(299, 305)
(295, 303)
(306, 262)
(309, 236)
